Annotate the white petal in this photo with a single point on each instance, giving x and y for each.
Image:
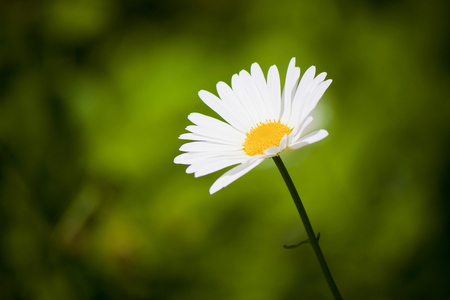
(193, 157)
(295, 85)
(306, 80)
(310, 138)
(199, 164)
(185, 160)
(208, 146)
(272, 151)
(260, 81)
(254, 94)
(202, 138)
(307, 96)
(315, 97)
(273, 84)
(234, 174)
(286, 98)
(216, 130)
(310, 89)
(219, 164)
(227, 95)
(283, 142)
(218, 106)
(217, 134)
(298, 130)
(244, 98)
(213, 123)
(301, 96)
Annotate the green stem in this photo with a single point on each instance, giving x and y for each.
(309, 230)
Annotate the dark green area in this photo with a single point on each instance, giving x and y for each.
(94, 94)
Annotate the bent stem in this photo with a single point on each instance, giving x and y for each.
(309, 230)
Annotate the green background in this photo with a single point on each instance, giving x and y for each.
(93, 97)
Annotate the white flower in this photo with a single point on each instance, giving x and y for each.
(260, 122)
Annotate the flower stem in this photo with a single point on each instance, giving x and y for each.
(309, 230)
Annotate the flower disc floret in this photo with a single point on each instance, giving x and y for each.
(264, 136)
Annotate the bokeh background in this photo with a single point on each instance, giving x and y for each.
(93, 97)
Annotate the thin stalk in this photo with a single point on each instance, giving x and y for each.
(309, 230)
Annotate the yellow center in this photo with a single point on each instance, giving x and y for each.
(264, 136)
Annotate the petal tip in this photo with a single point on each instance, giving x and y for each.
(215, 188)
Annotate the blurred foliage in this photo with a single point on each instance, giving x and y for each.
(94, 93)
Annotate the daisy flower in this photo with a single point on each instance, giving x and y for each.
(260, 122)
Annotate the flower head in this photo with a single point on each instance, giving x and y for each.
(260, 122)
